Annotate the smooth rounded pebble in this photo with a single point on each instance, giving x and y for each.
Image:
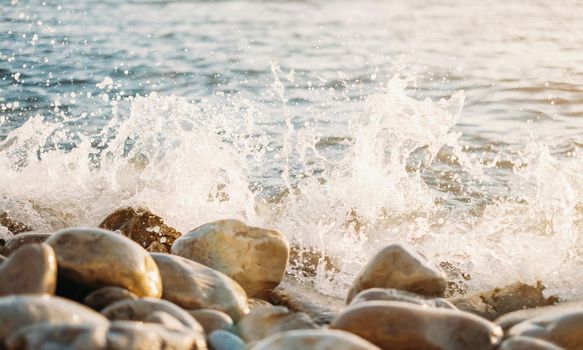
(17, 312)
(31, 269)
(103, 297)
(562, 329)
(142, 310)
(212, 320)
(98, 258)
(223, 340)
(398, 325)
(399, 266)
(526, 343)
(314, 339)
(118, 335)
(191, 285)
(511, 319)
(264, 321)
(254, 257)
(22, 240)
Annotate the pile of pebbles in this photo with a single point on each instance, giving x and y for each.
(136, 283)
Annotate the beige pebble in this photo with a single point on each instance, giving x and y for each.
(511, 319)
(191, 285)
(118, 335)
(313, 339)
(254, 257)
(17, 312)
(398, 325)
(264, 321)
(142, 310)
(212, 320)
(31, 269)
(388, 294)
(562, 329)
(399, 266)
(98, 258)
(526, 343)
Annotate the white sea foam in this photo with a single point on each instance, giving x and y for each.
(196, 162)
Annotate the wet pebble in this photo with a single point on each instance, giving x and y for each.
(526, 343)
(191, 285)
(212, 320)
(562, 329)
(143, 227)
(17, 312)
(399, 325)
(314, 339)
(254, 257)
(149, 310)
(267, 320)
(31, 269)
(499, 301)
(98, 258)
(388, 294)
(102, 297)
(399, 266)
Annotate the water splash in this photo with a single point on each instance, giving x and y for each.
(397, 171)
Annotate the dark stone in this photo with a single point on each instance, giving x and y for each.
(143, 227)
(12, 225)
(106, 296)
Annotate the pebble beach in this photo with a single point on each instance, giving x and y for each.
(137, 283)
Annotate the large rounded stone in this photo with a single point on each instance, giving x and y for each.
(191, 285)
(399, 325)
(563, 329)
(264, 321)
(399, 266)
(388, 294)
(47, 336)
(30, 270)
(98, 258)
(23, 239)
(314, 339)
(143, 227)
(256, 258)
(212, 320)
(119, 335)
(17, 312)
(142, 309)
(103, 297)
(511, 319)
(150, 336)
(499, 301)
(526, 343)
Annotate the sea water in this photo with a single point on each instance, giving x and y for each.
(455, 126)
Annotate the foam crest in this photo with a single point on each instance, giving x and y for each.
(196, 162)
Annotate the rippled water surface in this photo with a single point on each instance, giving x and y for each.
(456, 126)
